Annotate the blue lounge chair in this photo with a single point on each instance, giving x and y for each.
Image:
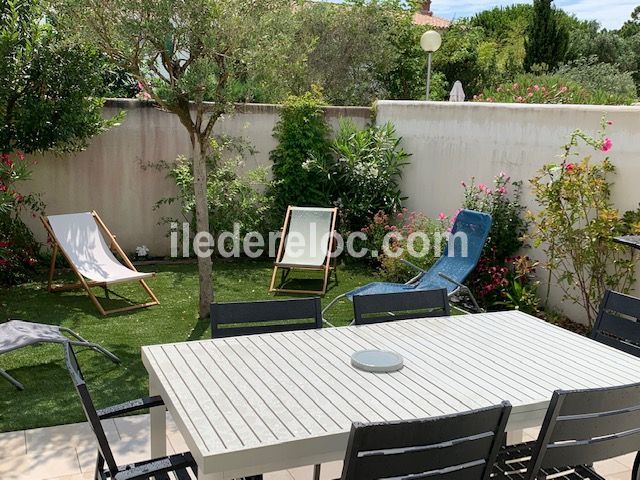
(458, 260)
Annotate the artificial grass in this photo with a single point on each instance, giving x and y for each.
(49, 397)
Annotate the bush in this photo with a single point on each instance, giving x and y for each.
(549, 89)
(363, 174)
(603, 78)
(19, 251)
(395, 230)
(577, 223)
(494, 280)
(232, 198)
(302, 133)
(502, 202)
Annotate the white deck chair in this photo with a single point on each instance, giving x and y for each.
(81, 239)
(306, 244)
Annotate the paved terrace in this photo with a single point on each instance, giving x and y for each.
(68, 452)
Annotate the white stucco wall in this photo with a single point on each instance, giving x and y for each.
(109, 176)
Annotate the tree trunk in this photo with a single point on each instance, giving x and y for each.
(205, 273)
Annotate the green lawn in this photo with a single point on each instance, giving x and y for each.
(49, 397)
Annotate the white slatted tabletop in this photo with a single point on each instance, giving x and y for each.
(254, 404)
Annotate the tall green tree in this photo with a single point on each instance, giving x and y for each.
(50, 89)
(187, 52)
(548, 37)
(50, 99)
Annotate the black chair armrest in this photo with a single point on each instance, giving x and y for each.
(158, 468)
(130, 406)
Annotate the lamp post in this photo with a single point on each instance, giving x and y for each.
(430, 42)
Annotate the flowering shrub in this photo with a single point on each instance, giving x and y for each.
(363, 172)
(493, 276)
(577, 223)
(502, 202)
(427, 239)
(18, 248)
(549, 89)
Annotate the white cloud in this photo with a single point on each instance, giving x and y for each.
(611, 14)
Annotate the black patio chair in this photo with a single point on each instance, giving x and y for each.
(386, 307)
(106, 467)
(581, 427)
(462, 446)
(266, 316)
(618, 323)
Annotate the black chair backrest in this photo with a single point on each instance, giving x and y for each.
(89, 408)
(585, 426)
(618, 323)
(248, 318)
(454, 447)
(386, 307)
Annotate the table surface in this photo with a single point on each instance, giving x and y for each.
(253, 404)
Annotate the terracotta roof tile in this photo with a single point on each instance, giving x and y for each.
(420, 18)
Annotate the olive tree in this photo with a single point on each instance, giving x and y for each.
(195, 58)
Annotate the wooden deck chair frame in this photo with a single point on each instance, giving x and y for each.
(326, 267)
(88, 284)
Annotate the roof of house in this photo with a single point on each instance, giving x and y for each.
(425, 16)
(420, 18)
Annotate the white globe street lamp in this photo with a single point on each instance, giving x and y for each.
(430, 42)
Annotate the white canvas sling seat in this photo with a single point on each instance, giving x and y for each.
(78, 235)
(81, 239)
(306, 244)
(16, 334)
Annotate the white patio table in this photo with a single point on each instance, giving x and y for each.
(255, 404)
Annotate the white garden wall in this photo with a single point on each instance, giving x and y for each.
(109, 176)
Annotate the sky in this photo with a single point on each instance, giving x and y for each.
(610, 13)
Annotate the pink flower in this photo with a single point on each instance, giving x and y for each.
(20, 155)
(536, 88)
(607, 144)
(609, 122)
(502, 191)
(482, 187)
(3, 187)
(463, 183)
(442, 216)
(570, 167)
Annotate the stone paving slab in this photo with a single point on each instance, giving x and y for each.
(68, 452)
